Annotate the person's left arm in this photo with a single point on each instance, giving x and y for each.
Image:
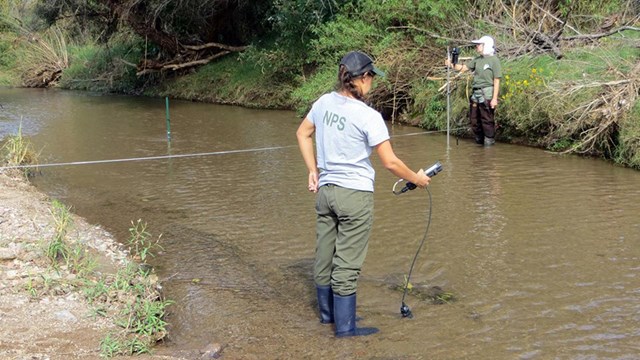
(497, 75)
(496, 92)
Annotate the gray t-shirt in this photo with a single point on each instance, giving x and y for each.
(347, 130)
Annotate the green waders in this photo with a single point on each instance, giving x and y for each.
(344, 221)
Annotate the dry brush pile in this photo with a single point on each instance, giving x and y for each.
(44, 58)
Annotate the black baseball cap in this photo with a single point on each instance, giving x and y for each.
(359, 63)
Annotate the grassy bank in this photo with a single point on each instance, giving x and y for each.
(234, 80)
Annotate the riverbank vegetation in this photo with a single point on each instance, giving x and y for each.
(62, 265)
(571, 67)
(16, 150)
(131, 296)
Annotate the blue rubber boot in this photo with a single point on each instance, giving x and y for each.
(344, 312)
(325, 303)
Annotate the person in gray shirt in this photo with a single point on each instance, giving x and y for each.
(346, 131)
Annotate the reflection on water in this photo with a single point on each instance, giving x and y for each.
(541, 251)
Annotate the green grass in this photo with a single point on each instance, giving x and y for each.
(231, 80)
(104, 69)
(57, 249)
(8, 74)
(321, 82)
(18, 150)
(130, 296)
(140, 314)
(141, 244)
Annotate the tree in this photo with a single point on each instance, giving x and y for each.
(190, 32)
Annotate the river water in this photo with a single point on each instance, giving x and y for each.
(541, 252)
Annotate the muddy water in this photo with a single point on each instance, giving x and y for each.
(542, 252)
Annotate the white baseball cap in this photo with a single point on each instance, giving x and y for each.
(486, 40)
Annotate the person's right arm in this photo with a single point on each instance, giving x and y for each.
(398, 168)
(305, 142)
(457, 67)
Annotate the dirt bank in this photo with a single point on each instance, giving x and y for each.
(58, 323)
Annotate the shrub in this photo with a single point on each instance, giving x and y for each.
(18, 150)
(106, 69)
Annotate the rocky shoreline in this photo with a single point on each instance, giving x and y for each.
(58, 323)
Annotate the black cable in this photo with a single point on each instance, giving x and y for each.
(404, 309)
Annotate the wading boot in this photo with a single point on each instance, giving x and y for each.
(325, 303)
(489, 141)
(344, 312)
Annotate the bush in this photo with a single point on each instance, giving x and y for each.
(106, 69)
(341, 36)
(523, 91)
(7, 60)
(323, 81)
(628, 150)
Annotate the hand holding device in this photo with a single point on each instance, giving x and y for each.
(432, 171)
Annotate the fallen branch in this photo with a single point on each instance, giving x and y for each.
(444, 87)
(195, 62)
(127, 62)
(564, 23)
(215, 45)
(430, 34)
(600, 35)
(174, 67)
(544, 42)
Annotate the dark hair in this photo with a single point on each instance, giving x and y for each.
(345, 82)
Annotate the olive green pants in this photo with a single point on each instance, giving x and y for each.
(344, 220)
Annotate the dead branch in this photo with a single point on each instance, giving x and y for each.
(195, 62)
(563, 22)
(456, 76)
(545, 42)
(430, 34)
(214, 45)
(188, 57)
(127, 62)
(600, 35)
(175, 67)
(599, 84)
